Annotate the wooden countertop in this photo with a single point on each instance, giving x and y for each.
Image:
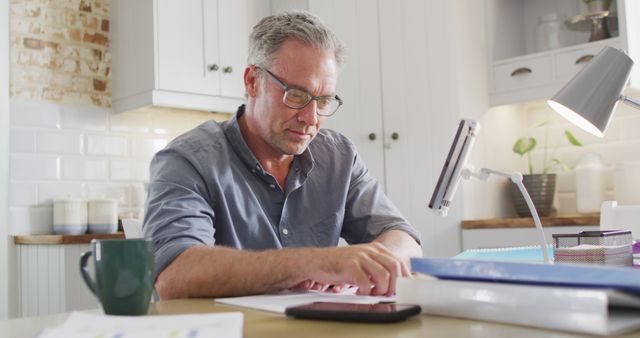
(64, 239)
(527, 222)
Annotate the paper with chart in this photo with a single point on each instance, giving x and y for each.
(80, 324)
(278, 302)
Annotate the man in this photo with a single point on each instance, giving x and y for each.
(257, 204)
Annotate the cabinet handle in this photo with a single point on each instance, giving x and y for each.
(584, 58)
(372, 136)
(395, 136)
(227, 70)
(213, 67)
(521, 70)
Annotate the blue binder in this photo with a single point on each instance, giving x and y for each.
(570, 275)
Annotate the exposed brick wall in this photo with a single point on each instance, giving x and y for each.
(60, 51)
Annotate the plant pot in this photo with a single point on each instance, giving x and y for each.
(541, 188)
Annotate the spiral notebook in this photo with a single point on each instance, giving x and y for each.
(525, 254)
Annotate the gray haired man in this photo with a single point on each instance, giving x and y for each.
(258, 203)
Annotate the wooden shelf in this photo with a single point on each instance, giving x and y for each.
(64, 239)
(527, 222)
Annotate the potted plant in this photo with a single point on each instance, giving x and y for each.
(541, 185)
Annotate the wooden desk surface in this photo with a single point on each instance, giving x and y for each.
(271, 325)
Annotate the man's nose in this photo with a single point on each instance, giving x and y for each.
(308, 114)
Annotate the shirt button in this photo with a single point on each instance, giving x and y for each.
(253, 171)
(297, 169)
(285, 231)
(272, 186)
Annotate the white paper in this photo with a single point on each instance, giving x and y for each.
(175, 326)
(280, 301)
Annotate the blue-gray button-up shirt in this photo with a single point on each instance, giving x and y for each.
(207, 187)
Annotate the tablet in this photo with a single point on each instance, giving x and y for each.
(350, 312)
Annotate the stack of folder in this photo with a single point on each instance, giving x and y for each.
(592, 299)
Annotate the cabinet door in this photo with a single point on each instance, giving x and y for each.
(235, 19)
(355, 22)
(187, 42)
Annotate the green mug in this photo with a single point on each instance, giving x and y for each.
(123, 274)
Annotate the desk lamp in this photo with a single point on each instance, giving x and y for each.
(589, 99)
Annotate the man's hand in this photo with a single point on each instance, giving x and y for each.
(371, 267)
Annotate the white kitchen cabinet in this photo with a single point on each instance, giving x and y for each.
(518, 72)
(402, 86)
(49, 279)
(186, 54)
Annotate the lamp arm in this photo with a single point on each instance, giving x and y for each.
(515, 177)
(630, 101)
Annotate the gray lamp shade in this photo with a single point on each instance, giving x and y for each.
(588, 100)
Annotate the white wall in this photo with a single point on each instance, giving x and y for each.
(6, 247)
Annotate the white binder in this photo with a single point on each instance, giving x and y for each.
(584, 310)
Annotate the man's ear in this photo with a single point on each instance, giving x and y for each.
(251, 81)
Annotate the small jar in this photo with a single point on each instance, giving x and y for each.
(590, 183)
(548, 32)
(69, 216)
(103, 216)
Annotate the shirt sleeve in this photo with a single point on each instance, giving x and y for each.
(179, 214)
(369, 212)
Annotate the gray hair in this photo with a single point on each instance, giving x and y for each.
(272, 31)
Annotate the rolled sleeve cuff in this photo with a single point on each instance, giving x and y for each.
(168, 252)
(403, 227)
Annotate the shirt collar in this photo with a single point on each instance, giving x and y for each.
(304, 161)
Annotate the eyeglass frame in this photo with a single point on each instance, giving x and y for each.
(286, 88)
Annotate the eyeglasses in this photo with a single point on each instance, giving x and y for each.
(297, 98)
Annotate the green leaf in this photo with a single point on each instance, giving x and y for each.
(561, 164)
(572, 139)
(524, 145)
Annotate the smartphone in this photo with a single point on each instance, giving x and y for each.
(350, 312)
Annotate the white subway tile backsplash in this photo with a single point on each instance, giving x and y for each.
(120, 192)
(107, 145)
(49, 191)
(84, 118)
(34, 167)
(35, 114)
(138, 121)
(22, 194)
(22, 140)
(57, 151)
(61, 142)
(31, 220)
(146, 148)
(629, 128)
(84, 169)
(129, 171)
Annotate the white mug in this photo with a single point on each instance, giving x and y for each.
(103, 216)
(69, 216)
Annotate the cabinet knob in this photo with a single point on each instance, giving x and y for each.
(372, 136)
(395, 136)
(227, 69)
(213, 67)
(521, 70)
(584, 58)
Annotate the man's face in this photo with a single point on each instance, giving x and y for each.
(289, 131)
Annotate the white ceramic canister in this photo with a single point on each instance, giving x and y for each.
(103, 216)
(590, 183)
(69, 216)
